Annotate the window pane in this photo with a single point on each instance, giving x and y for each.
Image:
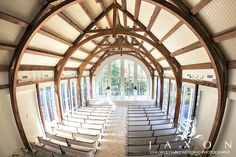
(103, 81)
(165, 93)
(186, 106)
(128, 77)
(74, 93)
(115, 78)
(141, 81)
(172, 99)
(65, 97)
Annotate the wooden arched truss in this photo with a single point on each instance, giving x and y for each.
(215, 54)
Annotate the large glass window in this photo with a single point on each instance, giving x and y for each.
(186, 106)
(115, 78)
(128, 77)
(165, 93)
(65, 100)
(103, 81)
(74, 94)
(172, 99)
(141, 81)
(48, 105)
(122, 77)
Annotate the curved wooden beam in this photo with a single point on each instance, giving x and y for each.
(99, 61)
(15, 62)
(216, 55)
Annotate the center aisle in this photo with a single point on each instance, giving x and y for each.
(113, 143)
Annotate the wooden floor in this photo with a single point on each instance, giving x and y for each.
(113, 143)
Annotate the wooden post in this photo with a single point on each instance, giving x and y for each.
(58, 98)
(152, 85)
(168, 102)
(79, 89)
(157, 92)
(195, 101)
(91, 84)
(40, 106)
(70, 97)
(178, 102)
(161, 91)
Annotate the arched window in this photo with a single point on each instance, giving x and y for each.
(122, 77)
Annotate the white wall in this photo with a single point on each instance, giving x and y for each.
(10, 141)
(29, 112)
(207, 110)
(228, 128)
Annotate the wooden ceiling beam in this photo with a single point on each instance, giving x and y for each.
(54, 37)
(137, 10)
(225, 35)
(122, 28)
(197, 66)
(4, 68)
(232, 64)
(24, 24)
(186, 49)
(168, 34)
(13, 19)
(153, 17)
(199, 6)
(7, 47)
(85, 9)
(232, 88)
(183, 50)
(102, 4)
(4, 86)
(200, 82)
(70, 22)
(124, 15)
(26, 67)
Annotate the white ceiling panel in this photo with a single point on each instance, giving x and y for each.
(193, 57)
(121, 17)
(33, 59)
(10, 33)
(219, 15)
(75, 11)
(89, 46)
(80, 54)
(72, 64)
(45, 43)
(58, 26)
(164, 22)
(156, 54)
(130, 6)
(164, 63)
(5, 57)
(94, 8)
(229, 47)
(95, 59)
(146, 10)
(27, 11)
(180, 38)
(147, 46)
